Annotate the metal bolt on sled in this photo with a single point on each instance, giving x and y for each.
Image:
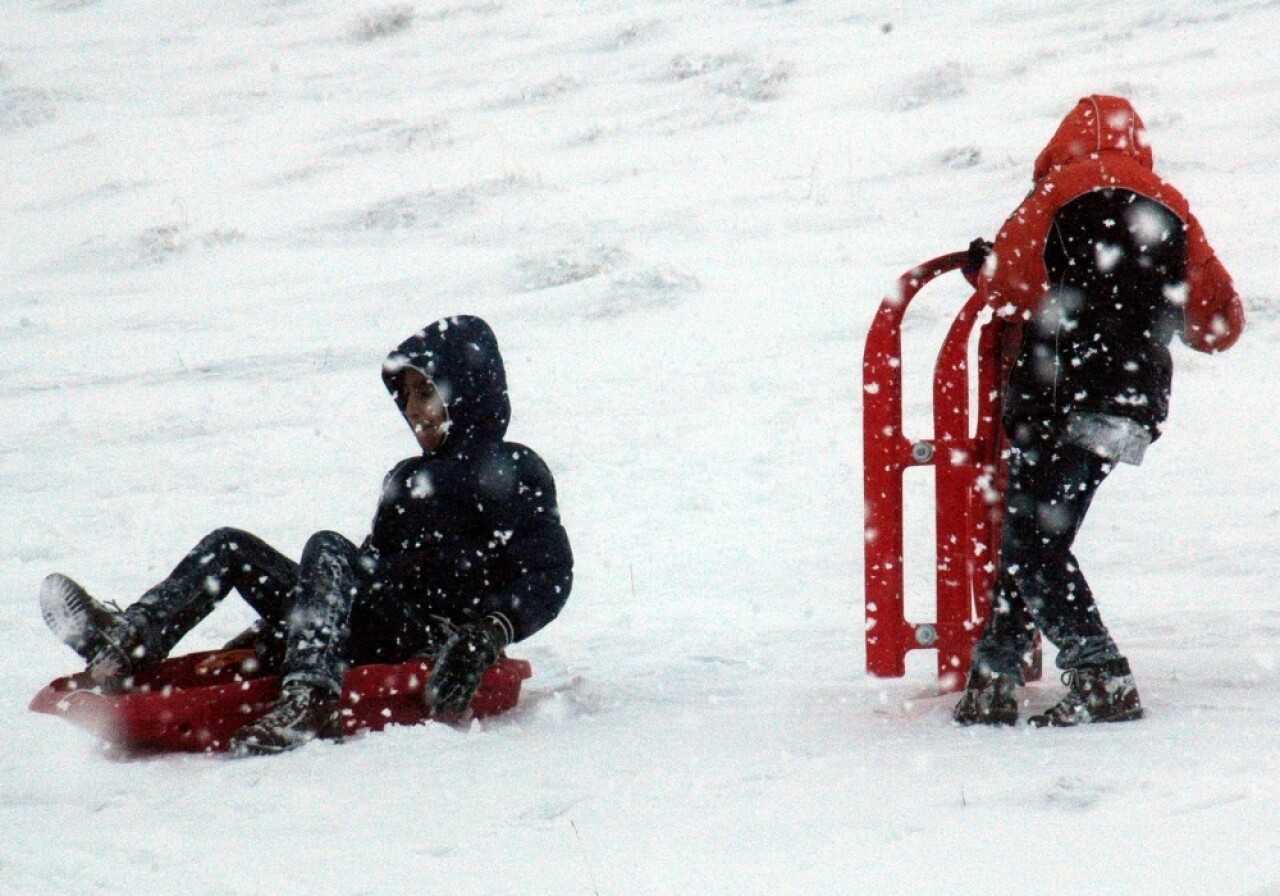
(968, 482)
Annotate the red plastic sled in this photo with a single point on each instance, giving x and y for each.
(178, 706)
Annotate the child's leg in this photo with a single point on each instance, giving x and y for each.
(319, 623)
(224, 559)
(1006, 643)
(316, 655)
(1051, 486)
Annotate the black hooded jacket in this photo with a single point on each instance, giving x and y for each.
(472, 529)
(1100, 340)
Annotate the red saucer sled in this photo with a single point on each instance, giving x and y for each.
(192, 704)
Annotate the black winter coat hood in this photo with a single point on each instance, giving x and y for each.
(470, 531)
(460, 355)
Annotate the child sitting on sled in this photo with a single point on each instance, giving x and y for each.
(466, 555)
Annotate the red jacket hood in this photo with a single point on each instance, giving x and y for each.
(1098, 124)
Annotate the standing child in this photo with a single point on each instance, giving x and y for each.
(466, 555)
(1102, 264)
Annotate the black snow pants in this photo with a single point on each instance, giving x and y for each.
(327, 612)
(1051, 485)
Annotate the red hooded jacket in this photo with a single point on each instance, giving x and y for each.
(1102, 143)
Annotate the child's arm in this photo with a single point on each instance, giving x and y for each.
(1213, 314)
(527, 534)
(531, 578)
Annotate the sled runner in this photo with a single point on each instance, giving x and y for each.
(194, 703)
(969, 476)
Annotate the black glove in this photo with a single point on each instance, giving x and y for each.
(979, 249)
(438, 635)
(460, 666)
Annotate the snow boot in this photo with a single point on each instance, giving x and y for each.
(304, 712)
(988, 700)
(1104, 693)
(99, 632)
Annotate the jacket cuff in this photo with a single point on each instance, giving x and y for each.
(503, 630)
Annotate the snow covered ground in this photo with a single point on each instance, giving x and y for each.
(679, 217)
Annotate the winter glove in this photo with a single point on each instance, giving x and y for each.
(438, 635)
(976, 257)
(461, 664)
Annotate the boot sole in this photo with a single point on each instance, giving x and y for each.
(245, 748)
(1048, 722)
(65, 608)
(989, 721)
(69, 611)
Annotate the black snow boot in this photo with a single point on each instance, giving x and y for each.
(304, 712)
(988, 699)
(1104, 693)
(100, 633)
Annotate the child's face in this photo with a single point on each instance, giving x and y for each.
(425, 410)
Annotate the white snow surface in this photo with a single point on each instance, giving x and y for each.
(679, 218)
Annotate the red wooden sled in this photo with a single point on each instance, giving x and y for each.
(188, 704)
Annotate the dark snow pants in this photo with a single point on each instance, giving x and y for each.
(1051, 485)
(327, 612)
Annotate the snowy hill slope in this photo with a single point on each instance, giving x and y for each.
(679, 219)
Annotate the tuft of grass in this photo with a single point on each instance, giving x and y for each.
(382, 23)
